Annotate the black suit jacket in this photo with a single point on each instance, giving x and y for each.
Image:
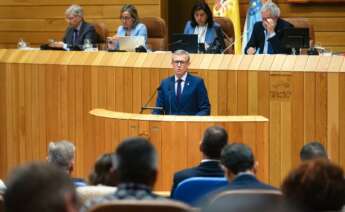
(248, 181)
(204, 169)
(87, 31)
(257, 39)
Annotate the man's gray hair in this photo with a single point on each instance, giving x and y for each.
(182, 52)
(61, 154)
(272, 7)
(75, 10)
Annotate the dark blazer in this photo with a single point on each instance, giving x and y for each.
(204, 169)
(257, 39)
(248, 181)
(193, 101)
(214, 36)
(87, 31)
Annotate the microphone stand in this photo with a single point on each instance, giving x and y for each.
(145, 106)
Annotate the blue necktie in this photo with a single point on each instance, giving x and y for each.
(178, 91)
(269, 47)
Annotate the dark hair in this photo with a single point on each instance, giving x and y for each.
(213, 141)
(102, 173)
(202, 5)
(133, 12)
(313, 150)
(237, 158)
(316, 185)
(38, 187)
(136, 161)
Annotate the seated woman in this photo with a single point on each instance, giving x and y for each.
(102, 179)
(131, 26)
(209, 32)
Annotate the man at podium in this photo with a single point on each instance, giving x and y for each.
(183, 93)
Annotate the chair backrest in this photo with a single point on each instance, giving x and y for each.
(142, 206)
(157, 32)
(102, 32)
(247, 200)
(228, 28)
(302, 23)
(192, 190)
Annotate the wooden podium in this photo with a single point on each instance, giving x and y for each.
(177, 138)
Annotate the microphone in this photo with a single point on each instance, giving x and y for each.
(145, 106)
(175, 42)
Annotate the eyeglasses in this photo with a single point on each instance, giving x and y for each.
(181, 62)
(125, 18)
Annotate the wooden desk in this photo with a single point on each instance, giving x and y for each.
(47, 96)
(177, 138)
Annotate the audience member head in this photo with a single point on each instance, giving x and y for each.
(103, 171)
(313, 150)
(61, 154)
(316, 185)
(129, 16)
(136, 161)
(74, 15)
(180, 62)
(237, 158)
(40, 187)
(201, 14)
(213, 141)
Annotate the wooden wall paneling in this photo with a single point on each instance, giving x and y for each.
(155, 131)
(309, 102)
(195, 133)
(321, 107)
(287, 145)
(333, 115)
(275, 136)
(262, 143)
(176, 149)
(242, 77)
(253, 98)
(341, 120)
(298, 110)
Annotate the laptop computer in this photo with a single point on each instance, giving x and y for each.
(129, 43)
(186, 42)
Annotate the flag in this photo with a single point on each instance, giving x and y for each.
(230, 9)
(253, 15)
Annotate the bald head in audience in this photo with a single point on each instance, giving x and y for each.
(40, 187)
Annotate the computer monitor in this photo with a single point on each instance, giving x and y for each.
(296, 38)
(187, 42)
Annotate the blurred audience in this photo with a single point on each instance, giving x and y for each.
(240, 168)
(130, 26)
(61, 154)
(201, 23)
(102, 180)
(135, 165)
(212, 143)
(78, 30)
(313, 150)
(40, 187)
(315, 185)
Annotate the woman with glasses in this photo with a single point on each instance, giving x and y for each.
(130, 26)
(210, 35)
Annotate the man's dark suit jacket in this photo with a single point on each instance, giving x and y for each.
(248, 181)
(257, 39)
(87, 31)
(193, 101)
(204, 169)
